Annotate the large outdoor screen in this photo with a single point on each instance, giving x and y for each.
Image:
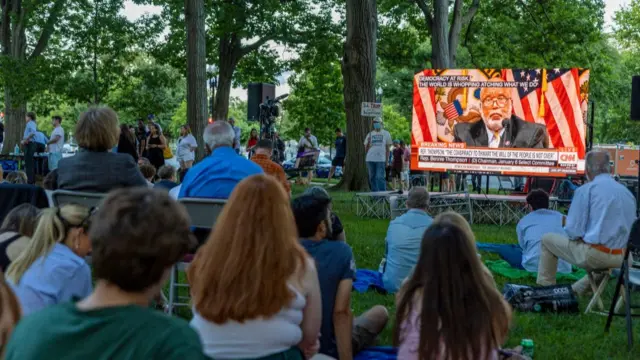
(525, 122)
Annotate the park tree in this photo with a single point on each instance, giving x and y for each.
(359, 75)
(241, 37)
(194, 11)
(25, 31)
(443, 21)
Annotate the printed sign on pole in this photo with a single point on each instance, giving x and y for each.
(371, 109)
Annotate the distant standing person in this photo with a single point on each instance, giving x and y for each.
(127, 142)
(29, 145)
(155, 146)
(55, 143)
(308, 142)
(397, 164)
(253, 141)
(141, 136)
(238, 132)
(1, 135)
(341, 153)
(187, 146)
(377, 145)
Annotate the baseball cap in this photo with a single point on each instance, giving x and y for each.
(377, 120)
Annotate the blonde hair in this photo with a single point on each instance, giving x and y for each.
(52, 228)
(10, 313)
(97, 129)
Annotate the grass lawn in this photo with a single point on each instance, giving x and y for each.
(555, 336)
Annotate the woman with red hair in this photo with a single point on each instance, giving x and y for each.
(255, 290)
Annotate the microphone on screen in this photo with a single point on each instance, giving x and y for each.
(506, 123)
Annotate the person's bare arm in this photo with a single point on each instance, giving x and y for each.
(343, 320)
(163, 143)
(312, 313)
(53, 140)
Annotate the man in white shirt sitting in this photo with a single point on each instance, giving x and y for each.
(531, 228)
(597, 227)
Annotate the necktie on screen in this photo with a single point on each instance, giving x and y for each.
(495, 142)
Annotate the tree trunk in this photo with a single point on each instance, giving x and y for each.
(359, 73)
(439, 35)
(228, 57)
(196, 71)
(14, 121)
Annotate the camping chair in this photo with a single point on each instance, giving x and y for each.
(598, 287)
(203, 213)
(63, 197)
(505, 184)
(628, 275)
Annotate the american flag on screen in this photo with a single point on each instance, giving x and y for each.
(562, 114)
(563, 104)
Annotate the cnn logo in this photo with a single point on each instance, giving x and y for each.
(568, 157)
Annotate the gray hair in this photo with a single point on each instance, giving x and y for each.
(418, 198)
(597, 162)
(220, 133)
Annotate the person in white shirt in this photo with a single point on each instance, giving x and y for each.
(55, 143)
(377, 145)
(597, 227)
(185, 152)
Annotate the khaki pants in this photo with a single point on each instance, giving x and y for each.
(576, 252)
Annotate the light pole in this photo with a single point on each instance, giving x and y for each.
(213, 82)
(379, 94)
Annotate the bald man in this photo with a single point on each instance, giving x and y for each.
(597, 226)
(499, 128)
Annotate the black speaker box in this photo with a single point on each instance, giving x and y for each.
(635, 98)
(258, 93)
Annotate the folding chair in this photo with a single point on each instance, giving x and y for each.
(628, 275)
(598, 287)
(62, 197)
(203, 213)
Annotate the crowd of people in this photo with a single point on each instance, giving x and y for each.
(279, 288)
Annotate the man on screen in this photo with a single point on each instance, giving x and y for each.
(499, 128)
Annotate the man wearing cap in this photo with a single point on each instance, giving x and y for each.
(377, 145)
(499, 128)
(597, 227)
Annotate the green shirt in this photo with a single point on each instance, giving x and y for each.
(125, 332)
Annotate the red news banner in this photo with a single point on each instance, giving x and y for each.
(458, 157)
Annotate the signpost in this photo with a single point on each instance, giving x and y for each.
(370, 109)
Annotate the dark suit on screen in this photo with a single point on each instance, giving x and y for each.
(517, 134)
(100, 172)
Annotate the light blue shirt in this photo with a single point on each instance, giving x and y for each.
(57, 277)
(41, 138)
(530, 230)
(602, 212)
(217, 175)
(30, 130)
(404, 237)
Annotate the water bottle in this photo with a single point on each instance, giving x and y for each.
(527, 347)
(16, 150)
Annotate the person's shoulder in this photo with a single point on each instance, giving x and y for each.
(339, 248)
(48, 316)
(463, 126)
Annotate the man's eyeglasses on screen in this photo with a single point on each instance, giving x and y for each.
(500, 100)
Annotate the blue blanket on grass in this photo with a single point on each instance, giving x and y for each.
(368, 279)
(378, 353)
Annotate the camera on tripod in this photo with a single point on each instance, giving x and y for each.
(269, 112)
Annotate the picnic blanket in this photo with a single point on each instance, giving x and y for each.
(503, 268)
(368, 279)
(378, 353)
